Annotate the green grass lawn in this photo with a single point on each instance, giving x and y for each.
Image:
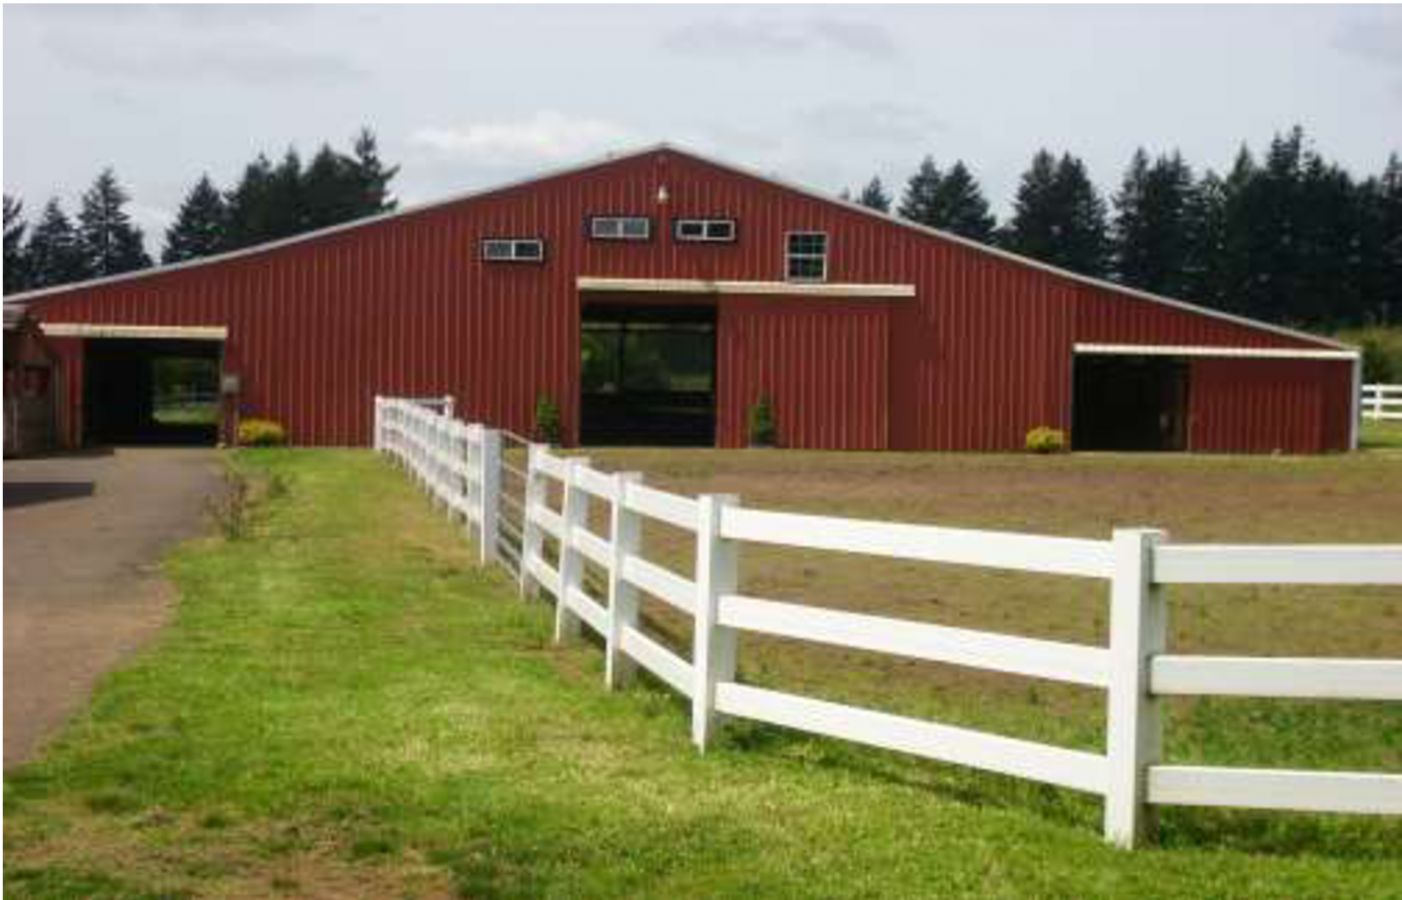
(1379, 435)
(345, 706)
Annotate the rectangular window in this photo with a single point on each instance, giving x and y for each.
(620, 228)
(807, 256)
(513, 249)
(704, 230)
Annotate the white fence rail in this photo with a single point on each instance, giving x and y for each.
(461, 465)
(1382, 402)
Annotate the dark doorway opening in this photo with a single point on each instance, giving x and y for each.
(1129, 403)
(139, 391)
(648, 375)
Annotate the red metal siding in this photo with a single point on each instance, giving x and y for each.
(823, 364)
(316, 328)
(1265, 405)
(1104, 316)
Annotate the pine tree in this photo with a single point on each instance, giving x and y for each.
(960, 206)
(1205, 270)
(1151, 234)
(372, 176)
(108, 237)
(201, 226)
(55, 254)
(1379, 252)
(874, 196)
(1058, 217)
(16, 269)
(331, 190)
(248, 205)
(918, 203)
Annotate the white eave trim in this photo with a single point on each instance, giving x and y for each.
(146, 332)
(762, 288)
(1228, 352)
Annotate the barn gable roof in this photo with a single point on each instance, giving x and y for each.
(614, 158)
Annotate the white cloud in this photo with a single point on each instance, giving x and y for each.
(546, 136)
(786, 35)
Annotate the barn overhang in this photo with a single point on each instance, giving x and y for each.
(136, 332)
(744, 288)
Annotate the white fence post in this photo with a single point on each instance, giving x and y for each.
(713, 655)
(530, 529)
(574, 513)
(488, 492)
(625, 539)
(376, 440)
(1138, 632)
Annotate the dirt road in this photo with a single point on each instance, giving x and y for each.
(84, 535)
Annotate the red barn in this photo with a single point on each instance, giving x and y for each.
(656, 297)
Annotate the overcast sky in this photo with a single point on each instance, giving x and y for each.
(465, 97)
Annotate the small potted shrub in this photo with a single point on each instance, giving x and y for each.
(1043, 439)
(547, 420)
(261, 433)
(760, 426)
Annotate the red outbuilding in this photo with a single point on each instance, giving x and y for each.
(657, 297)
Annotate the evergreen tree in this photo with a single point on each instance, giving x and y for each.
(919, 202)
(371, 176)
(874, 196)
(108, 237)
(55, 254)
(16, 274)
(1205, 257)
(248, 205)
(331, 190)
(1152, 228)
(1058, 217)
(960, 206)
(1379, 257)
(201, 226)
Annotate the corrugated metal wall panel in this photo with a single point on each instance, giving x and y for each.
(1265, 405)
(822, 362)
(316, 328)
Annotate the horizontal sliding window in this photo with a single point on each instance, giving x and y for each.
(807, 258)
(513, 249)
(704, 230)
(620, 228)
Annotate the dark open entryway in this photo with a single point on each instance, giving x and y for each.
(1129, 403)
(151, 391)
(648, 375)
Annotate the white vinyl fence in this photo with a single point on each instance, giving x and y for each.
(460, 466)
(1382, 402)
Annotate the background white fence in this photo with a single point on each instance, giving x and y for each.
(461, 467)
(1382, 401)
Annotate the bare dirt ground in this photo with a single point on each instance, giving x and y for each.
(84, 535)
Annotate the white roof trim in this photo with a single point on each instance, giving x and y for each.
(158, 332)
(768, 288)
(1233, 352)
(850, 205)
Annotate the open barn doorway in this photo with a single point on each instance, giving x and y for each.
(648, 375)
(1129, 403)
(151, 391)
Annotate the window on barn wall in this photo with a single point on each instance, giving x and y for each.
(620, 228)
(807, 256)
(513, 249)
(704, 230)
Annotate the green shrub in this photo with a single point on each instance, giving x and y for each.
(761, 428)
(1043, 439)
(547, 420)
(1382, 352)
(261, 433)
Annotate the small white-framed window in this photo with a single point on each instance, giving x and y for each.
(716, 231)
(807, 256)
(620, 228)
(513, 249)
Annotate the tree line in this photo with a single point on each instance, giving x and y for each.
(1288, 237)
(270, 201)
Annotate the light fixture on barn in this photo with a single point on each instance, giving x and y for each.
(662, 194)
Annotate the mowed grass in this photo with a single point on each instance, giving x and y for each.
(1380, 435)
(346, 706)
